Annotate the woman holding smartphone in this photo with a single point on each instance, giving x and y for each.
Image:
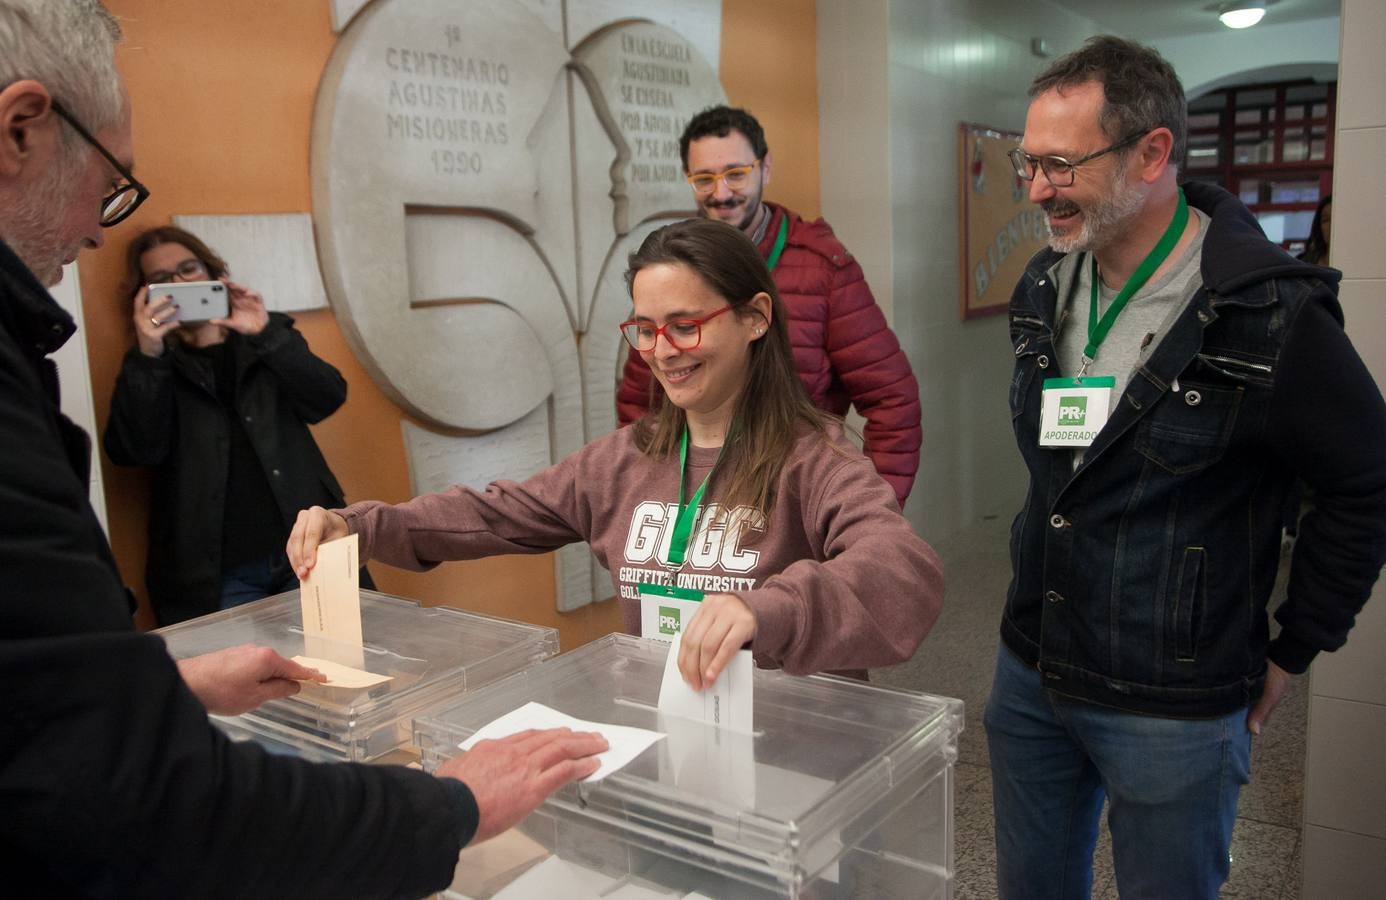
(736, 490)
(220, 409)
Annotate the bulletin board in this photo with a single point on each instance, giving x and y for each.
(999, 228)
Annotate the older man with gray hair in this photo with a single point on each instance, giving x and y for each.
(112, 779)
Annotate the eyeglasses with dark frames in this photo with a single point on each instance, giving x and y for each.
(682, 334)
(190, 269)
(1058, 170)
(124, 200)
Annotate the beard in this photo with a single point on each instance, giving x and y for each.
(1102, 219)
(35, 231)
(748, 204)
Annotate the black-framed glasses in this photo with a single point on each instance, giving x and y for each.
(682, 334)
(1058, 170)
(124, 200)
(190, 269)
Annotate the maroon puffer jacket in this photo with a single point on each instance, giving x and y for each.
(845, 352)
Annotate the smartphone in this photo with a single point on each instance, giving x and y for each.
(197, 301)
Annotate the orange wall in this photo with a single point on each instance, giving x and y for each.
(222, 111)
(770, 67)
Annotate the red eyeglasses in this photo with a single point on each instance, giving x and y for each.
(682, 334)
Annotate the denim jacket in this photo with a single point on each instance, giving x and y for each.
(1140, 579)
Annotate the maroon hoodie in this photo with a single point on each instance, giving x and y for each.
(836, 578)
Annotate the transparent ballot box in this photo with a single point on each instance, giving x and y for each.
(432, 654)
(842, 790)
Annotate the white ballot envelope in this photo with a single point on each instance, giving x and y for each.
(728, 703)
(626, 743)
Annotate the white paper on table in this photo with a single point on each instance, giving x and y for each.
(330, 598)
(341, 676)
(639, 890)
(556, 878)
(729, 703)
(626, 743)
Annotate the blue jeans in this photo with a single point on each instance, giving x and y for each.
(1172, 785)
(256, 580)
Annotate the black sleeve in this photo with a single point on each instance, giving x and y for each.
(112, 778)
(142, 423)
(314, 387)
(51, 545)
(1328, 423)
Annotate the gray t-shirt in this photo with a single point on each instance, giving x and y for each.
(1142, 324)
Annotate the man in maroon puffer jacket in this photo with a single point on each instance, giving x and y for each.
(845, 352)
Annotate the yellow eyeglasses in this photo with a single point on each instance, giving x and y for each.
(737, 177)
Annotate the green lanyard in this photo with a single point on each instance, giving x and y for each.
(779, 243)
(683, 524)
(1097, 330)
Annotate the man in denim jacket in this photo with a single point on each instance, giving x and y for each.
(1136, 662)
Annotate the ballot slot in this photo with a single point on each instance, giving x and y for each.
(841, 785)
(430, 654)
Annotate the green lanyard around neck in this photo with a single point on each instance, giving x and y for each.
(780, 240)
(1097, 329)
(683, 524)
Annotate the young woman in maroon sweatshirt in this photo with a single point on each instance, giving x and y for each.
(797, 544)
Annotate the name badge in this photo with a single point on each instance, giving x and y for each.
(665, 610)
(1073, 410)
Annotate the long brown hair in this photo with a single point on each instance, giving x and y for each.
(1316, 248)
(167, 234)
(773, 409)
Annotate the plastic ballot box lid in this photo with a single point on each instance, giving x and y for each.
(828, 762)
(429, 654)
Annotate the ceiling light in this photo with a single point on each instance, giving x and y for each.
(1242, 14)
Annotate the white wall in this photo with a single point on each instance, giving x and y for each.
(1344, 790)
(74, 382)
(1207, 61)
(895, 78)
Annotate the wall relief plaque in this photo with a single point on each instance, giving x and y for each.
(478, 182)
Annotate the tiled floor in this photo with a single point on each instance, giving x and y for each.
(957, 659)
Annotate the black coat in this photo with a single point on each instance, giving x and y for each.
(165, 412)
(112, 781)
(1142, 576)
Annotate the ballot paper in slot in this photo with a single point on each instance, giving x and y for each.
(715, 763)
(730, 701)
(331, 601)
